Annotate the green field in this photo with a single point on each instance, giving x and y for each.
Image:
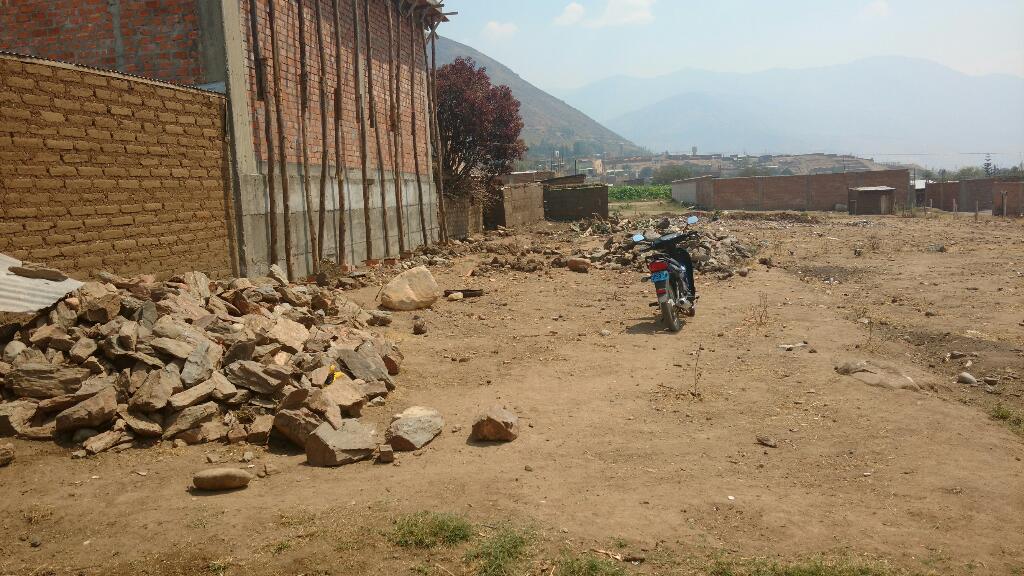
(639, 193)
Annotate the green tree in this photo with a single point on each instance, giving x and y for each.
(970, 173)
(670, 173)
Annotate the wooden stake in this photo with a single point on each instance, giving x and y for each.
(340, 153)
(282, 138)
(438, 152)
(394, 79)
(416, 30)
(365, 149)
(303, 134)
(325, 152)
(268, 131)
(375, 121)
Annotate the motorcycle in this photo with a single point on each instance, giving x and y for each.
(672, 274)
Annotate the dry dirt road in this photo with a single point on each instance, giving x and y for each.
(638, 441)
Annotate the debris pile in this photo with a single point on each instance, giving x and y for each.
(712, 251)
(125, 362)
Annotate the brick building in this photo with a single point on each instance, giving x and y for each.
(332, 88)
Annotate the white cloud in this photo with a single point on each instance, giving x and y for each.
(623, 13)
(573, 14)
(498, 31)
(876, 9)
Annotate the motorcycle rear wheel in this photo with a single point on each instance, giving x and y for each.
(669, 315)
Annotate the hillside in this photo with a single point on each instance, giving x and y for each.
(891, 108)
(551, 124)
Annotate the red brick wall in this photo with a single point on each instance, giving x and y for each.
(816, 192)
(1014, 195)
(160, 37)
(966, 194)
(288, 34)
(100, 171)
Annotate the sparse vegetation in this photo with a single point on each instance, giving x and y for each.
(501, 552)
(813, 568)
(639, 193)
(430, 529)
(1014, 419)
(587, 566)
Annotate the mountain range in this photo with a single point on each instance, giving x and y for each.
(881, 106)
(550, 124)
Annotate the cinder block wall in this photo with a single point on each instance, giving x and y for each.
(575, 202)
(819, 192)
(463, 217)
(102, 171)
(516, 205)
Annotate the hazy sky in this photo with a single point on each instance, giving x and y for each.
(563, 44)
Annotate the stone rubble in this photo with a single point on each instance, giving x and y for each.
(131, 362)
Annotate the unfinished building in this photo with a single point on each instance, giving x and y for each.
(332, 94)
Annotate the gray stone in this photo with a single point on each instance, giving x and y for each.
(414, 428)
(288, 333)
(316, 401)
(253, 376)
(200, 364)
(278, 275)
(82, 350)
(11, 351)
(6, 454)
(128, 335)
(218, 479)
(189, 418)
(296, 425)
(258, 431)
(879, 374)
(497, 424)
(242, 350)
(171, 347)
(14, 416)
(966, 378)
(364, 363)
(156, 391)
(348, 397)
(223, 390)
(413, 289)
(91, 413)
(106, 441)
(351, 442)
(142, 424)
(385, 454)
(83, 434)
(44, 380)
(194, 395)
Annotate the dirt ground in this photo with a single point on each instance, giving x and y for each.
(640, 441)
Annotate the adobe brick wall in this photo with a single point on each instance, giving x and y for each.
(1013, 194)
(101, 171)
(818, 192)
(158, 39)
(575, 202)
(516, 205)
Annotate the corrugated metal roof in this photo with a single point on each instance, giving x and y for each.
(20, 294)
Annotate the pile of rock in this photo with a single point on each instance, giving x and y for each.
(712, 251)
(127, 362)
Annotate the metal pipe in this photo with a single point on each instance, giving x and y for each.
(282, 138)
(268, 131)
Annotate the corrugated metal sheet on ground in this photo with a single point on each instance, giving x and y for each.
(20, 294)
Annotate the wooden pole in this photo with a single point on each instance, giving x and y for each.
(365, 151)
(324, 135)
(438, 152)
(340, 153)
(416, 30)
(394, 79)
(263, 93)
(304, 134)
(282, 138)
(375, 122)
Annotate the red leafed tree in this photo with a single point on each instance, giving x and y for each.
(479, 125)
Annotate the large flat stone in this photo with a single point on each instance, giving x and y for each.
(351, 442)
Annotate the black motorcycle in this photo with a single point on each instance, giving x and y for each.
(672, 274)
